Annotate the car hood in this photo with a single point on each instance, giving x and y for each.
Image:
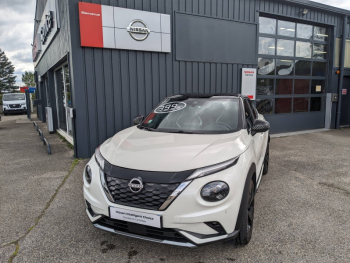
(13, 101)
(171, 152)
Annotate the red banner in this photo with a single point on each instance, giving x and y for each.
(90, 17)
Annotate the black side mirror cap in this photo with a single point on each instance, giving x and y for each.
(139, 119)
(260, 126)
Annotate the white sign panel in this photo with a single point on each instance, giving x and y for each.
(135, 217)
(249, 83)
(49, 25)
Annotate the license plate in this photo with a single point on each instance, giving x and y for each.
(135, 217)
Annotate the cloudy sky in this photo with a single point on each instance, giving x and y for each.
(17, 25)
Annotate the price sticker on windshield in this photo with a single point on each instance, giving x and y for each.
(170, 107)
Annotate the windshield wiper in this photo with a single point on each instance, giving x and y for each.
(181, 131)
(146, 128)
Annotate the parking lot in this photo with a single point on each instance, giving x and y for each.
(302, 207)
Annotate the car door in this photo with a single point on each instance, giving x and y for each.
(258, 139)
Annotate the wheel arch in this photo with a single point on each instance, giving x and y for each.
(251, 175)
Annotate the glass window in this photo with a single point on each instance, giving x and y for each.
(284, 67)
(304, 31)
(284, 86)
(286, 28)
(320, 51)
(266, 66)
(315, 104)
(265, 86)
(320, 33)
(264, 106)
(318, 86)
(303, 49)
(302, 68)
(301, 86)
(267, 46)
(267, 25)
(301, 105)
(283, 105)
(285, 47)
(319, 69)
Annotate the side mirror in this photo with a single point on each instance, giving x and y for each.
(139, 119)
(260, 126)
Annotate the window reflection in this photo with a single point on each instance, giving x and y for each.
(320, 51)
(264, 106)
(284, 67)
(301, 86)
(303, 49)
(285, 47)
(286, 28)
(302, 68)
(304, 31)
(319, 69)
(267, 25)
(301, 105)
(283, 105)
(315, 104)
(320, 33)
(267, 46)
(266, 66)
(265, 87)
(284, 86)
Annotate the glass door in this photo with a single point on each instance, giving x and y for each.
(63, 99)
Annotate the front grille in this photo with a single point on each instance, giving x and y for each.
(151, 197)
(147, 231)
(13, 106)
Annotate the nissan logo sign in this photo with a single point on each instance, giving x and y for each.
(138, 33)
(136, 185)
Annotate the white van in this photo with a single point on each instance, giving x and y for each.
(14, 102)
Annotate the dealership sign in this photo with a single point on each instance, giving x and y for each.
(104, 26)
(249, 83)
(48, 27)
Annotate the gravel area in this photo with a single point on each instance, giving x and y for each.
(302, 208)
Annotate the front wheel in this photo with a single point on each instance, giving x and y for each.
(246, 229)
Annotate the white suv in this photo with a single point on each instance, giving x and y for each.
(186, 175)
(14, 102)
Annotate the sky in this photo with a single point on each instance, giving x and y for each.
(17, 25)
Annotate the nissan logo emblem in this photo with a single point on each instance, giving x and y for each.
(136, 185)
(139, 32)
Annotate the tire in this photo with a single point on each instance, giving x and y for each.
(266, 160)
(5, 114)
(246, 228)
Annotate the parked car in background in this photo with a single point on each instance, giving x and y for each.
(14, 102)
(186, 175)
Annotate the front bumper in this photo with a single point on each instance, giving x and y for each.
(12, 110)
(186, 218)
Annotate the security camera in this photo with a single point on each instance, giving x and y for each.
(305, 11)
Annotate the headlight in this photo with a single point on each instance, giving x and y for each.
(215, 191)
(212, 169)
(99, 158)
(88, 174)
(23, 103)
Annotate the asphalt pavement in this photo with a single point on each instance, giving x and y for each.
(302, 207)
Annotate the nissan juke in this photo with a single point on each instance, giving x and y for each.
(186, 175)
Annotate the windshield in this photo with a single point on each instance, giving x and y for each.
(11, 97)
(195, 115)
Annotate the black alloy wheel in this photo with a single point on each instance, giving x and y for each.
(246, 229)
(266, 160)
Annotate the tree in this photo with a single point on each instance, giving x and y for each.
(7, 79)
(28, 79)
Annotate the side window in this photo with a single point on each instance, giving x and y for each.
(248, 114)
(255, 112)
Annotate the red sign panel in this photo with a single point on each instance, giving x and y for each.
(90, 17)
(344, 91)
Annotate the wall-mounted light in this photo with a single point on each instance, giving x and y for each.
(305, 11)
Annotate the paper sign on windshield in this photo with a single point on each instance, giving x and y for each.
(170, 107)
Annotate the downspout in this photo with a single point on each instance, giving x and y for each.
(341, 75)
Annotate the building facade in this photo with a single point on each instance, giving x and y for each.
(100, 63)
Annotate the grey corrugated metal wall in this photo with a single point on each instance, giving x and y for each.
(113, 86)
